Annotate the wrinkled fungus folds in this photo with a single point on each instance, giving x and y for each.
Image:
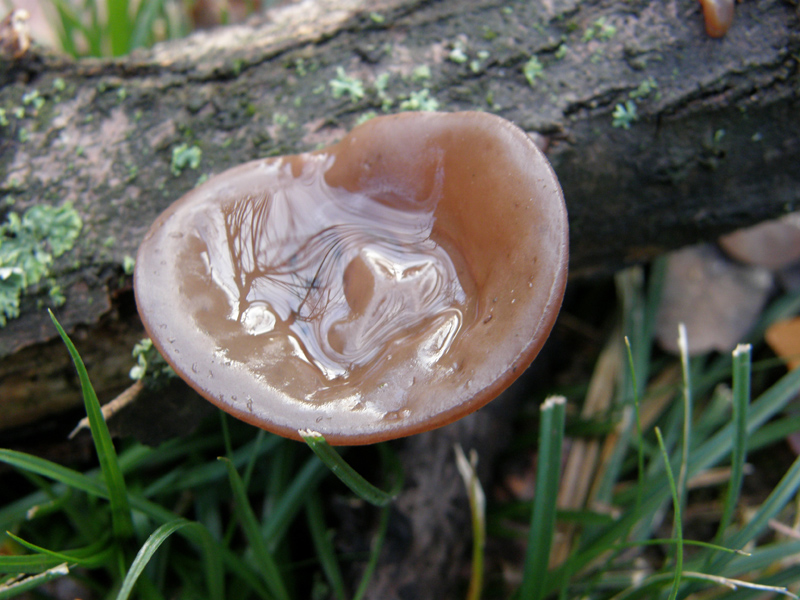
(383, 286)
(341, 275)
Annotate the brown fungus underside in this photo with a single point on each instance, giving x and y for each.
(389, 284)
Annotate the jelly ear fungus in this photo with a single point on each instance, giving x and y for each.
(387, 285)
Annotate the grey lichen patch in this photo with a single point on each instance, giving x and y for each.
(28, 246)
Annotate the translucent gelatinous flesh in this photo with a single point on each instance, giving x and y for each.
(344, 277)
(380, 287)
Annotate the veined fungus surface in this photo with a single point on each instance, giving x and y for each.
(389, 284)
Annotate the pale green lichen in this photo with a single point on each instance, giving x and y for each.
(381, 86)
(365, 117)
(185, 156)
(644, 89)
(420, 100)
(343, 85)
(128, 263)
(600, 29)
(149, 363)
(421, 73)
(532, 70)
(477, 64)
(33, 99)
(624, 115)
(28, 246)
(457, 54)
(56, 294)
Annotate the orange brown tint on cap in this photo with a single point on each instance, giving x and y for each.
(387, 285)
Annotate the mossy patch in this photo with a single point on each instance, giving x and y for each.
(28, 246)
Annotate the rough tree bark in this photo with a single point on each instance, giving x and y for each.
(715, 144)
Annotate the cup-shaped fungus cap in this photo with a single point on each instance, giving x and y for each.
(387, 285)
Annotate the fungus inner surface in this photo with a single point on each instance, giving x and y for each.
(388, 284)
(342, 277)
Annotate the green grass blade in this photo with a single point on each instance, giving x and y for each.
(686, 438)
(639, 435)
(200, 536)
(742, 368)
(27, 563)
(17, 511)
(284, 511)
(678, 526)
(210, 472)
(29, 583)
(543, 515)
(766, 406)
(146, 552)
(67, 24)
(158, 537)
(762, 557)
(106, 454)
(347, 474)
(783, 493)
(324, 547)
(146, 16)
(153, 510)
(477, 508)
(94, 34)
(247, 519)
(377, 545)
(92, 556)
(54, 471)
(119, 26)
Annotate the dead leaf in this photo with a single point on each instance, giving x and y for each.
(718, 300)
(773, 244)
(784, 339)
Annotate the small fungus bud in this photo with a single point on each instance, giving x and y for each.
(718, 15)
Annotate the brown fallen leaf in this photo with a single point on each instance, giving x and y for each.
(784, 339)
(718, 300)
(773, 244)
